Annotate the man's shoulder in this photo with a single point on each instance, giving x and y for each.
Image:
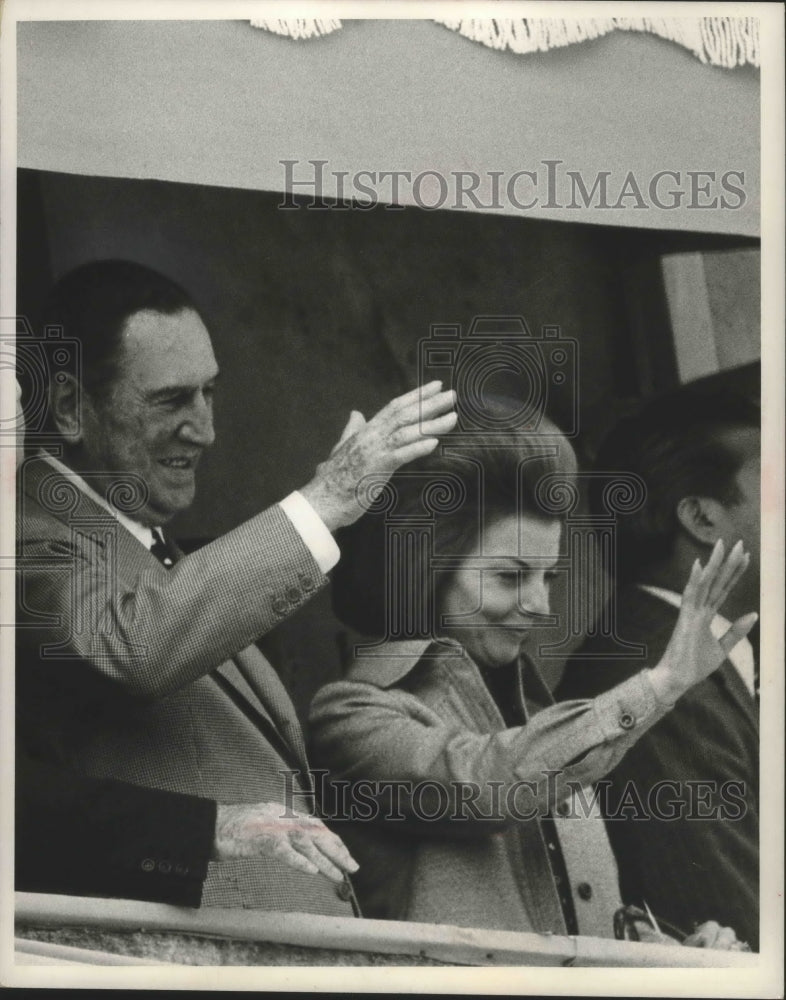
(40, 502)
(54, 515)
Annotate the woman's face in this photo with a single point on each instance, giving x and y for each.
(491, 610)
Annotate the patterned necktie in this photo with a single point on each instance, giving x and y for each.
(161, 550)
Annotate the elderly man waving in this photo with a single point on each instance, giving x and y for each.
(136, 663)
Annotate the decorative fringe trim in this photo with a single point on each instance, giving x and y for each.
(301, 28)
(717, 41)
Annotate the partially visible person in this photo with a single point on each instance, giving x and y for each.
(79, 835)
(137, 663)
(682, 806)
(454, 736)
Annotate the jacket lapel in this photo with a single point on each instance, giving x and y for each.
(254, 685)
(729, 678)
(262, 698)
(532, 690)
(263, 688)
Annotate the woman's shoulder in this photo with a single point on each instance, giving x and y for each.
(407, 677)
(394, 663)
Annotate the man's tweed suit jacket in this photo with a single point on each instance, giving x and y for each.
(688, 868)
(128, 670)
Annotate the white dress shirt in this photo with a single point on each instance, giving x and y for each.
(741, 657)
(305, 520)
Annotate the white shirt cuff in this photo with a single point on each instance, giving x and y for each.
(311, 528)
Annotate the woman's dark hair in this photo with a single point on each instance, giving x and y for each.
(435, 509)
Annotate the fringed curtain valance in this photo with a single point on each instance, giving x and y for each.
(717, 41)
(298, 28)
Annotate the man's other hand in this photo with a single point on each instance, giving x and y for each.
(260, 829)
(407, 428)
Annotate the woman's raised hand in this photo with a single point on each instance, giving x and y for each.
(693, 651)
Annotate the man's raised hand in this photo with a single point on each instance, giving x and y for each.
(693, 651)
(409, 427)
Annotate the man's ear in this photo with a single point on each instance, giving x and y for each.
(65, 400)
(701, 518)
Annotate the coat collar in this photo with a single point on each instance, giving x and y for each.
(384, 664)
(125, 491)
(54, 495)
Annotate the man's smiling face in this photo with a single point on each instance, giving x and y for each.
(157, 417)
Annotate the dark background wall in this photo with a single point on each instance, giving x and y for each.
(314, 313)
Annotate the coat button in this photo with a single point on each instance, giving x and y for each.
(279, 605)
(148, 865)
(344, 891)
(294, 595)
(584, 889)
(306, 582)
(164, 867)
(626, 720)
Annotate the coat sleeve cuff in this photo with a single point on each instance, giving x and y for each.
(172, 838)
(626, 707)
